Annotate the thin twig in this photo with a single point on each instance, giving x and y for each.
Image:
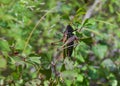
(30, 35)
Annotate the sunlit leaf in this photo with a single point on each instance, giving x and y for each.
(69, 74)
(111, 8)
(68, 64)
(114, 83)
(3, 63)
(100, 50)
(46, 83)
(81, 11)
(4, 46)
(80, 58)
(35, 59)
(80, 78)
(12, 60)
(68, 82)
(109, 64)
(33, 82)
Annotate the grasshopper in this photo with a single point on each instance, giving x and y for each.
(68, 40)
(67, 48)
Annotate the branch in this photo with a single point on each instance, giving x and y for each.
(91, 10)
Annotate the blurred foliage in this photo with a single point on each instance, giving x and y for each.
(27, 28)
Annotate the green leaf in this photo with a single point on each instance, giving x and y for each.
(108, 63)
(46, 83)
(79, 34)
(33, 82)
(80, 58)
(69, 75)
(80, 78)
(100, 50)
(114, 83)
(93, 73)
(111, 8)
(80, 11)
(3, 63)
(85, 22)
(68, 64)
(4, 46)
(35, 59)
(15, 75)
(12, 60)
(87, 40)
(68, 82)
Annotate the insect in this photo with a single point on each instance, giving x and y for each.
(66, 49)
(68, 42)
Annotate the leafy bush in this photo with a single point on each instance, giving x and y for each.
(28, 27)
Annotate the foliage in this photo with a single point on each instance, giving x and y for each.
(28, 27)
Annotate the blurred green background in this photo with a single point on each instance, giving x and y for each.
(28, 27)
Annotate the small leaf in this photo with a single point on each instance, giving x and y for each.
(34, 82)
(12, 60)
(79, 34)
(68, 82)
(80, 78)
(100, 50)
(87, 40)
(35, 59)
(86, 21)
(111, 8)
(46, 83)
(114, 83)
(108, 63)
(93, 73)
(69, 74)
(3, 63)
(68, 64)
(80, 58)
(4, 46)
(15, 75)
(80, 11)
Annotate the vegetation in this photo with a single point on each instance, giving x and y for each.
(28, 27)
